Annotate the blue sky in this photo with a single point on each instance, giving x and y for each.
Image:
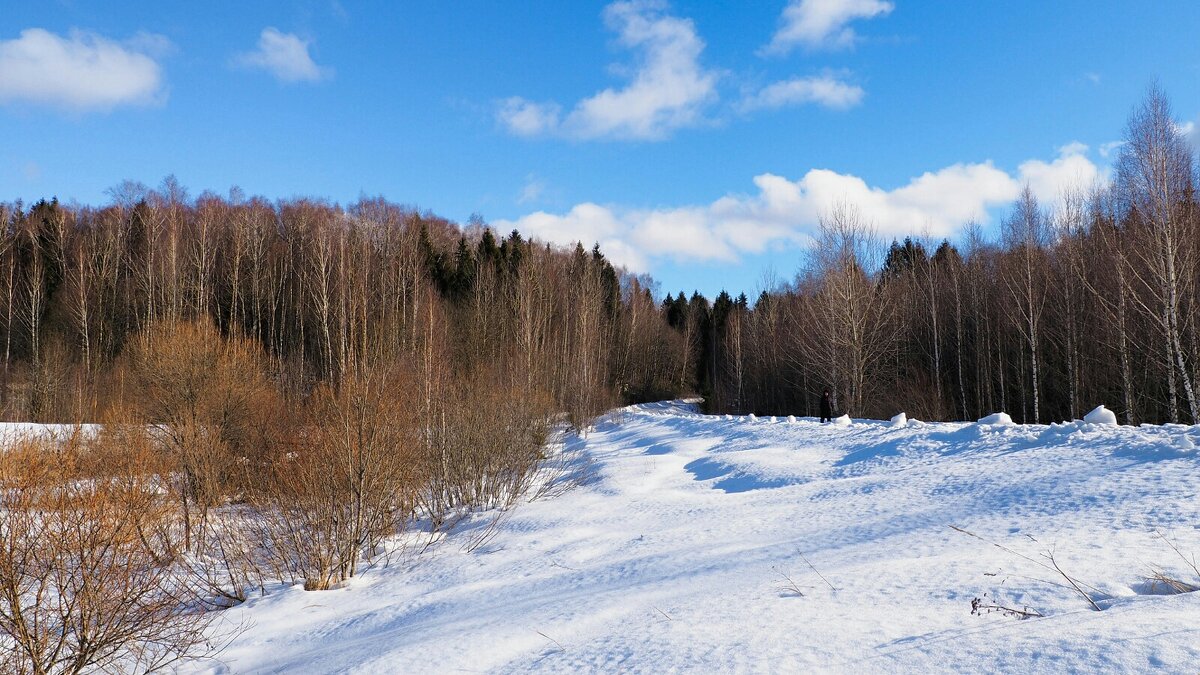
(696, 141)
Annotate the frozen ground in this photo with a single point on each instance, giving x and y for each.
(673, 559)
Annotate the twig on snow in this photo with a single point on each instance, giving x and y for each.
(1190, 562)
(982, 606)
(556, 642)
(1025, 557)
(1176, 586)
(814, 569)
(1050, 555)
(789, 585)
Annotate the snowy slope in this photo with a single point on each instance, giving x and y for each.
(673, 559)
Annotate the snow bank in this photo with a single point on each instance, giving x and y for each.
(1100, 415)
(899, 421)
(843, 421)
(997, 419)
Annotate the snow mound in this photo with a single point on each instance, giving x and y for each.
(843, 421)
(900, 421)
(1100, 415)
(752, 417)
(997, 419)
(1185, 444)
(791, 419)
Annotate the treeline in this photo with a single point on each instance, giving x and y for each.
(325, 291)
(1091, 301)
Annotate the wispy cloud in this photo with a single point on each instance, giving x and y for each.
(285, 56)
(668, 89)
(532, 191)
(31, 171)
(1107, 149)
(526, 118)
(822, 24)
(785, 212)
(824, 90)
(82, 71)
(1190, 131)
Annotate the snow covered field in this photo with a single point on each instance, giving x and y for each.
(686, 553)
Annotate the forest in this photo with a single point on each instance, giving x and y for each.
(1090, 300)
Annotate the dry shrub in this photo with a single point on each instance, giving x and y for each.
(53, 389)
(86, 579)
(484, 446)
(348, 483)
(209, 401)
(261, 493)
(370, 457)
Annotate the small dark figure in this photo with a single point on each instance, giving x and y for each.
(826, 407)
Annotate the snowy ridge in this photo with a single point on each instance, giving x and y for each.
(684, 553)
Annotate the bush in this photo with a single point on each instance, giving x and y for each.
(87, 574)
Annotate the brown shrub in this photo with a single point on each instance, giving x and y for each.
(210, 403)
(86, 579)
(349, 481)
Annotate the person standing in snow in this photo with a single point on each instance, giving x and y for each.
(826, 407)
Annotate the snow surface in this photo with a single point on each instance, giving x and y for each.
(687, 552)
(12, 432)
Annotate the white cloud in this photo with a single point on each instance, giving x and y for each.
(587, 223)
(668, 89)
(785, 212)
(82, 71)
(526, 118)
(1071, 169)
(824, 90)
(818, 24)
(285, 56)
